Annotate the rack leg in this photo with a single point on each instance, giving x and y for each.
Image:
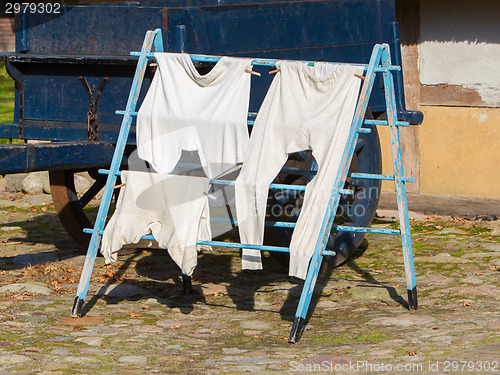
(100, 221)
(412, 298)
(76, 311)
(397, 160)
(305, 298)
(95, 241)
(411, 284)
(187, 284)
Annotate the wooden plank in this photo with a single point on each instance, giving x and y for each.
(16, 158)
(450, 95)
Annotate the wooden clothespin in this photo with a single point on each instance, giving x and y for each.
(252, 72)
(359, 76)
(153, 64)
(274, 71)
(119, 186)
(212, 197)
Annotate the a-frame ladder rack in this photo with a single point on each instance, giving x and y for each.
(380, 62)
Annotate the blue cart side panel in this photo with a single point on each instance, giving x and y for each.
(86, 30)
(56, 103)
(342, 31)
(102, 29)
(94, 41)
(313, 26)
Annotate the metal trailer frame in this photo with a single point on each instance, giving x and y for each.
(380, 63)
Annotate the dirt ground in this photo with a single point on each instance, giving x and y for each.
(137, 320)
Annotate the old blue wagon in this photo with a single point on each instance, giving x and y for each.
(73, 69)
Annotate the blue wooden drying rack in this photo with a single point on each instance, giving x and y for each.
(380, 62)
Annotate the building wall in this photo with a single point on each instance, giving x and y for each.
(459, 152)
(459, 52)
(451, 56)
(7, 39)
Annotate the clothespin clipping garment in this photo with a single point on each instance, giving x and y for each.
(252, 72)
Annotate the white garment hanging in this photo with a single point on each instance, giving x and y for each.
(306, 107)
(172, 208)
(184, 110)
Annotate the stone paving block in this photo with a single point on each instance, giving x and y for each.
(122, 291)
(27, 288)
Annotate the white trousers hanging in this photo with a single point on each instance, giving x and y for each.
(306, 107)
(184, 110)
(172, 208)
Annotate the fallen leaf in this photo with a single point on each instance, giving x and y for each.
(132, 315)
(145, 307)
(411, 353)
(467, 303)
(176, 325)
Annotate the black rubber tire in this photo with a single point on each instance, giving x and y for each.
(358, 210)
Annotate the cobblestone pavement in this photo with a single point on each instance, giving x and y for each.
(137, 320)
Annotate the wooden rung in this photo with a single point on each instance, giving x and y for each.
(384, 122)
(120, 112)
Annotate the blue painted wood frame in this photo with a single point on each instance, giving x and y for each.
(380, 62)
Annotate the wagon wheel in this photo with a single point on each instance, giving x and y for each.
(357, 210)
(70, 205)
